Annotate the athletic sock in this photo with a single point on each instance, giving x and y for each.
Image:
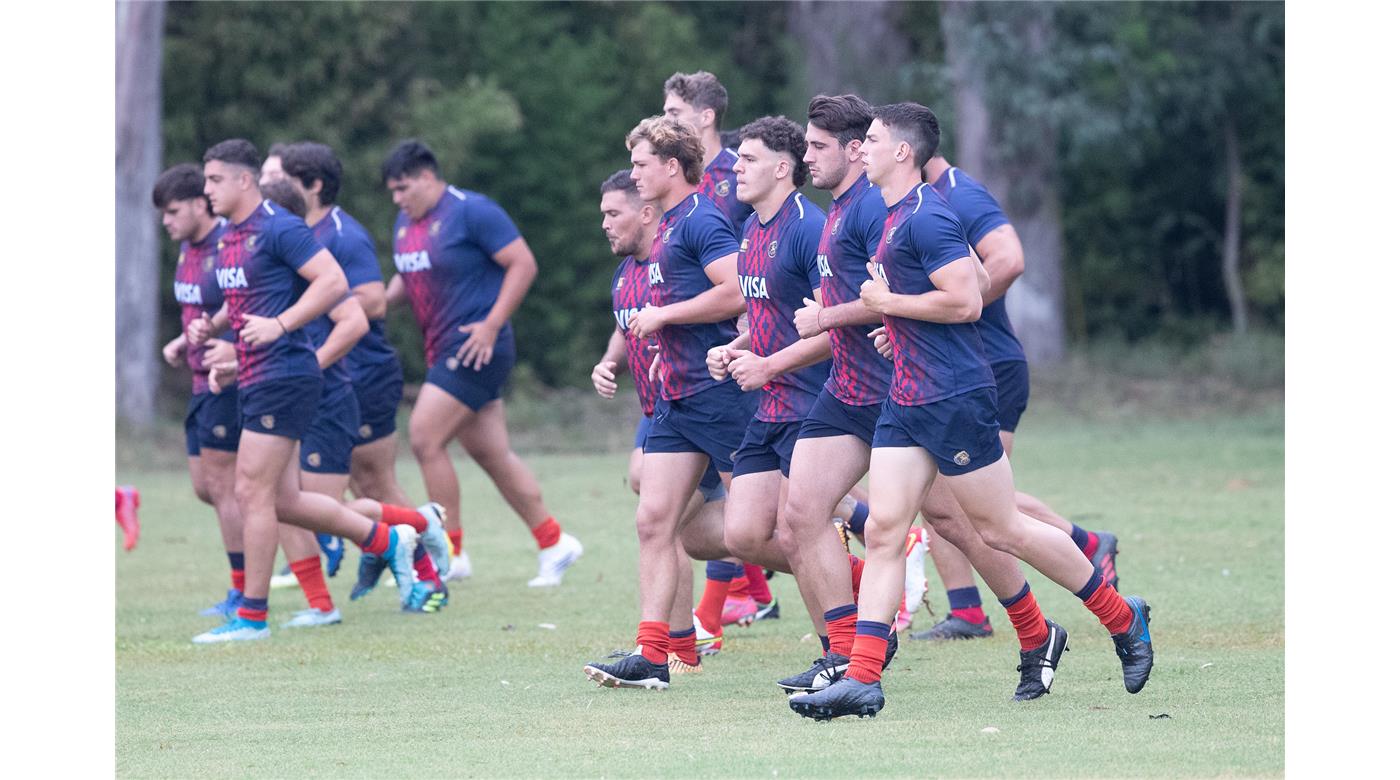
(739, 585)
(841, 628)
(456, 538)
(758, 584)
(253, 610)
(547, 533)
(683, 645)
(654, 638)
(826, 644)
(1102, 600)
(235, 565)
(966, 603)
(1086, 541)
(857, 570)
(313, 583)
(718, 575)
(868, 651)
(1026, 618)
(423, 565)
(858, 517)
(377, 541)
(402, 515)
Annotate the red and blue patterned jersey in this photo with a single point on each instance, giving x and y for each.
(932, 360)
(854, 228)
(197, 291)
(777, 269)
(353, 248)
(257, 272)
(631, 290)
(691, 235)
(445, 260)
(720, 184)
(980, 214)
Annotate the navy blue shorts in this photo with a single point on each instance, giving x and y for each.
(767, 446)
(643, 430)
(959, 432)
(1013, 392)
(475, 388)
(378, 389)
(326, 447)
(280, 407)
(711, 421)
(212, 422)
(831, 417)
(711, 486)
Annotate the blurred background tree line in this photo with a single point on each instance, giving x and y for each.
(1138, 147)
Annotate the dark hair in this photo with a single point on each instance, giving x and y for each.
(845, 116)
(915, 125)
(621, 182)
(701, 90)
(310, 162)
(729, 139)
(284, 194)
(671, 139)
(276, 150)
(234, 151)
(784, 136)
(183, 182)
(407, 159)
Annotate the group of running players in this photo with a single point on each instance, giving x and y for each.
(780, 355)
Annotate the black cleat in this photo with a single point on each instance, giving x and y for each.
(1038, 666)
(632, 671)
(952, 627)
(844, 697)
(372, 567)
(1134, 646)
(890, 649)
(1105, 557)
(825, 671)
(768, 611)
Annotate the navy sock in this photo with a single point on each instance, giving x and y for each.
(826, 644)
(259, 605)
(1080, 536)
(680, 634)
(235, 561)
(722, 571)
(1020, 594)
(964, 598)
(858, 518)
(836, 613)
(1089, 587)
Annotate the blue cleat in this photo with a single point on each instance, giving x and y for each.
(843, 697)
(435, 538)
(402, 540)
(334, 549)
(372, 567)
(426, 597)
(235, 630)
(1134, 646)
(225, 608)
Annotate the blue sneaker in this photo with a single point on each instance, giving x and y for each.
(426, 597)
(235, 630)
(372, 567)
(843, 697)
(402, 540)
(1134, 646)
(225, 608)
(334, 549)
(435, 538)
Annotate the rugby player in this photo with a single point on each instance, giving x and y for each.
(941, 417)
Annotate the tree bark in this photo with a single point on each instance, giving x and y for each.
(1230, 254)
(848, 47)
(138, 29)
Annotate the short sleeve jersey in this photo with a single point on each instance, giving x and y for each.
(257, 272)
(445, 259)
(630, 292)
(353, 248)
(777, 269)
(197, 291)
(720, 184)
(854, 228)
(980, 214)
(690, 236)
(932, 361)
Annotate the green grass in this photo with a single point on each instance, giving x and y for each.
(482, 690)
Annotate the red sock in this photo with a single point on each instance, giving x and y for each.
(683, 645)
(1110, 608)
(547, 533)
(711, 607)
(654, 638)
(973, 615)
(313, 583)
(1027, 620)
(739, 586)
(237, 577)
(758, 584)
(867, 656)
(841, 633)
(857, 571)
(402, 515)
(255, 615)
(1092, 546)
(423, 565)
(456, 538)
(378, 540)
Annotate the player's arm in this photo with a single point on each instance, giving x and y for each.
(521, 271)
(326, 286)
(958, 297)
(814, 319)
(373, 299)
(395, 293)
(753, 372)
(206, 327)
(1004, 259)
(605, 372)
(174, 350)
(349, 325)
(723, 301)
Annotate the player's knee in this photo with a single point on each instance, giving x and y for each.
(634, 480)
(741, 541)
(252, 495)
(999, 538)
(653, 526)
(201, 491)
(885, 535)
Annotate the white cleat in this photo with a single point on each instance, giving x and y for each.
(460, 569)
(284, 579)
(555, 560)
(310, 618)
(915, 580)
(435, 538)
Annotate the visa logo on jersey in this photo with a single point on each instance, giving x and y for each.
(624, 317)
(880, 269)
(753, 286)
(654, 273)
(823, 264)
(188, 293)
(412, 262)
(231, 278)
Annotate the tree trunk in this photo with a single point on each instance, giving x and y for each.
(1230, 255)
(139, 28)
(848, 47)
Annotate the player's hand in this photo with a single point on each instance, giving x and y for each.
(174, 351)
(717, 362)
(882, 343)
(218, 351)
(808, 318)
(261, 330)
(480, 344)
(655, 370)
(749, 370)
(605, 378)
(874, 293)
(222, 375)
(199, 330)
(647, 321)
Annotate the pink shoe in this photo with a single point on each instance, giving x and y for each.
(128, 499)
(739, 611)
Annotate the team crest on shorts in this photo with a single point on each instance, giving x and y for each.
(773, 249)
(962, 458)
(268, 421)
(722, 189)
(314, 459)
(435, 228)
(890, 235)
(365, 431)
(452, 364)
(666, 237)
(220, 431)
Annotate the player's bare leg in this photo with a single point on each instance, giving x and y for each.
(899, 480)
(433, 424)
(751, 517)
(216, 474)
(823, 471)
(196, 470)
(634, 470)
(372, 471)
(668, 481)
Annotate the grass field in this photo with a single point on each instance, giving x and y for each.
(485, 690)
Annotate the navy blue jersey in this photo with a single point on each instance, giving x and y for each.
(980, 214)
(257, 272)
(859, 375)
(353, 248)
(932, 360)
(777, 269)
(720, 184)
(691, 235)
(197, 291)
(631, 290)
(445, 259)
